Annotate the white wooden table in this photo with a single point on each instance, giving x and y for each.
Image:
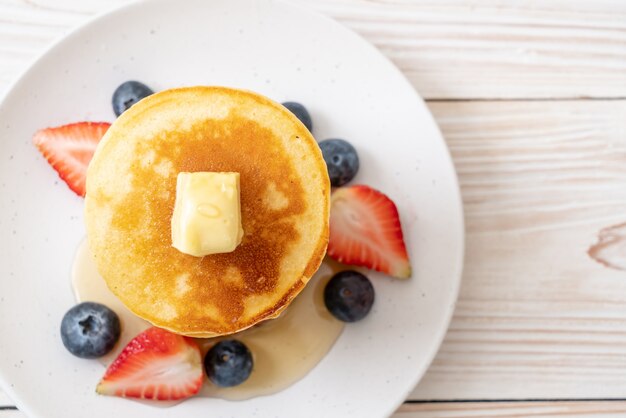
(531, 97)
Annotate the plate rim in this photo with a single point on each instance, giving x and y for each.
(459, 212)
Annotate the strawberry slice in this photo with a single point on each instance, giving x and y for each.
(69, 149)
(365, 231)
(156, 364)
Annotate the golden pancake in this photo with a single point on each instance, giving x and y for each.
(131, 190)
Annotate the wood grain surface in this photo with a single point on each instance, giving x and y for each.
(449, 49)
(572, 409)
(496, 49)
(531, 98)
(537, 318)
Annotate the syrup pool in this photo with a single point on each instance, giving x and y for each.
(284, 349)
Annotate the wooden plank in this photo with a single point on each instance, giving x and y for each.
(496, 49)
(486, 410)
(512, 409)
(537, 317)
(448, 49)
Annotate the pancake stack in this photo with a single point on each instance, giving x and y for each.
(131, 190)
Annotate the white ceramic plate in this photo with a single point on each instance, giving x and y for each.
(283, 52)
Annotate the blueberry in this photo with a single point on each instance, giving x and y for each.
(301, 113)
(127, 94)
(341, 159)
(228, 363)
(349, 296)
(90, 330)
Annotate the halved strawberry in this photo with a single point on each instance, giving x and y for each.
(365, 231)
(69, 149)
(156, 364)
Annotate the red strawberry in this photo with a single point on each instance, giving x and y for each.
(156, 364)
(365, 231)
(69, 149)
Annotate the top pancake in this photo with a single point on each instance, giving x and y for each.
(131, 190)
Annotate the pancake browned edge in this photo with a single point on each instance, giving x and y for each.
(131, 189)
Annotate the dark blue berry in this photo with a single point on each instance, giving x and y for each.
(127, 94)
(301, 113)
(228, 363)
(341, 159)
(90, 330)
(349, 296)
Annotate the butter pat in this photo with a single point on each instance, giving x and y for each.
(207, 213)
